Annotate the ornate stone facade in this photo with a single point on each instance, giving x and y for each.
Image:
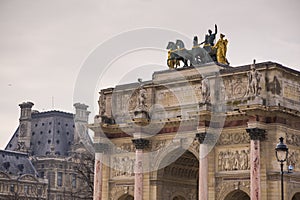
(238, 119)
(54, 142)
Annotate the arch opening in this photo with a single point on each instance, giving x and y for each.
(178, 198)
(180, 178)
(126, 197)
(296, 196)
(237, 195)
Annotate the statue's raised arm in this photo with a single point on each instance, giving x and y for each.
(216, 29)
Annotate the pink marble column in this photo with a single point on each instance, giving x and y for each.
(203, 167)
(256, 135)
(98, 177)
(100, 148)
(140, 144)
(138, 178)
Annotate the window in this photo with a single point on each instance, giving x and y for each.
(59, 179)
(58, 197)
(26, 189)
(42, 174)
(74, 180)
(12, 188)
(39, 191)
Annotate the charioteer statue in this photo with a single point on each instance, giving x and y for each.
(210, 52)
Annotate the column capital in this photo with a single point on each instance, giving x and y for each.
(101, 147)
(256, 133)
(200, 137)
(140, 143)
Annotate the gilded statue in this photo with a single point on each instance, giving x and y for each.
(221, 47)
(210, 52)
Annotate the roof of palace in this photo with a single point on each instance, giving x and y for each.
(51, 130)
(16, 163)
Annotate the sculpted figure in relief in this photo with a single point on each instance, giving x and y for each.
(123, 166)
(229, 160)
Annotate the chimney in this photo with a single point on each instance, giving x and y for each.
(81, 113)
(25, 127)
(81, 120)
(25, 110)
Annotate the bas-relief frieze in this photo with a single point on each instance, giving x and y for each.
(235, 88)
(231, 160)
(158, 144)
(125, 147)
(122, 166)
(233, 138)
(293, 139)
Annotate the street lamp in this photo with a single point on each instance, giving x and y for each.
(281, 155)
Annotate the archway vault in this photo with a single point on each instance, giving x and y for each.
(237, 195)
(296, 196)
(126, 197)
(179, 179)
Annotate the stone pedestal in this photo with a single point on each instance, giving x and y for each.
(256, 135)
(100, 148)
(140, 144)
(203, 167)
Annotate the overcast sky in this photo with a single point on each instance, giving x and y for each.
(44, 44)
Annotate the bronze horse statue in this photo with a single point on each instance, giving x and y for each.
(177, 52)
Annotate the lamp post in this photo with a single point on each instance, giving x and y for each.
(281, 151)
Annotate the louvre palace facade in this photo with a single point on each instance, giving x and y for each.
(46, 157)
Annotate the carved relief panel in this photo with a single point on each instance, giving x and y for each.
(122, 166)
(179, 95)
(293, 139)
(233, 159)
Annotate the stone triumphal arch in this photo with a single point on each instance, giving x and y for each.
(194, 133)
